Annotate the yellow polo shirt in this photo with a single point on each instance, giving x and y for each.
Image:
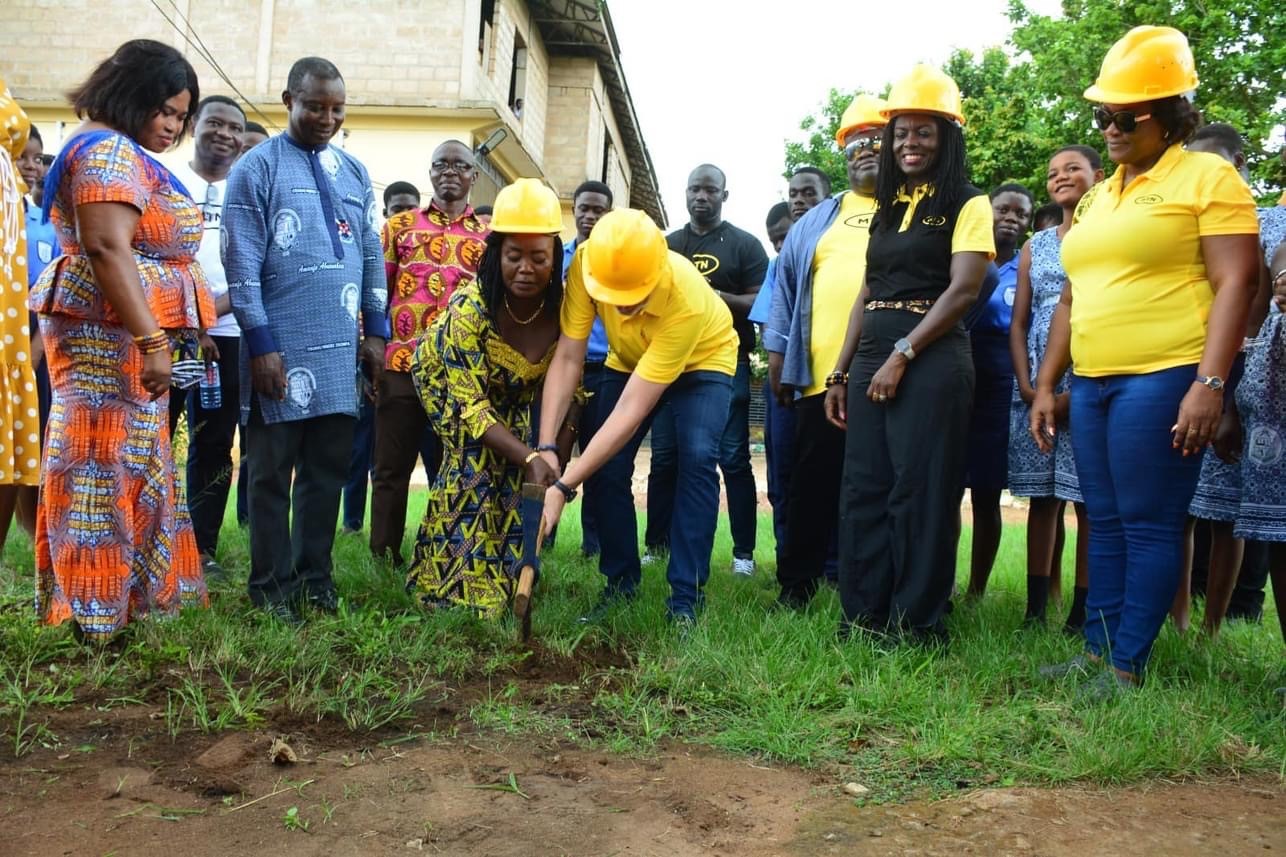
(683, 327)
(839, 264)
(1140, 293)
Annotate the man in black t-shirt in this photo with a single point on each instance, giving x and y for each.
(734, 263)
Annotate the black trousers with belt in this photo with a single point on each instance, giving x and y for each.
(812, 498)
(903, 462)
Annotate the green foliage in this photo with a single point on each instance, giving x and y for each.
(1023, 101)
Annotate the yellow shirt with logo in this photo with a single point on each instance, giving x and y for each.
(839, 265)
(1141, 295)
(683, 327)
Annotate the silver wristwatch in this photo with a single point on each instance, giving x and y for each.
(903, 347)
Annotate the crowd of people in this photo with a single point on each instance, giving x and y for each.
(921, 341)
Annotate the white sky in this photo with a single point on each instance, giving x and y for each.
(727, 82)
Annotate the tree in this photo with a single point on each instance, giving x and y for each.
(819, 150)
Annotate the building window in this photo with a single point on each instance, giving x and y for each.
(486, 23)
(518, 77)
(608, 155)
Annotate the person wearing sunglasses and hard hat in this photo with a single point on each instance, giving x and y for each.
(819, 275)
(672, 341)
(902, 385)
(478, 371)
(1162, 265)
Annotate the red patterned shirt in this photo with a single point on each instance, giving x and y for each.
(427, 256)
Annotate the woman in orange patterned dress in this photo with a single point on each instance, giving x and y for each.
(113, 538)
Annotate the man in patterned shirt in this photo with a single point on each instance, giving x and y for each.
(428, 254)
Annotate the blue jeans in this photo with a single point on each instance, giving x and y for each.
(734, 461)
(591, 419)
(1137, 490)
(359, 466)
(699, 401)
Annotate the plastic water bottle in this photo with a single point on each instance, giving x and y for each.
(211, 389)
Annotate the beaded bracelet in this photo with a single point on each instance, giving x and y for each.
(153, 343)
(836, 378)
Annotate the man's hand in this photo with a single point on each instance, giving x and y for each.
(209, 350)
(268, 376)
(372, 355)
(783, 393)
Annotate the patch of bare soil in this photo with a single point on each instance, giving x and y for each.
(119, 785)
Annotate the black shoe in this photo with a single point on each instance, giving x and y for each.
(326, 601)
(211, 569)
(283, 612)
(606, 603)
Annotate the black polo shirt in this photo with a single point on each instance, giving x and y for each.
(731, 259)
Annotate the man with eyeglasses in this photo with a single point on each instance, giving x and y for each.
(733, 263)
(819, 275)
(428, 254)
(218, 129)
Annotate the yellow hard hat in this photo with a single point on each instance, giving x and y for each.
(1145, 64)
(527, 206)
(865, 111)
(625, 257)
(925, 90)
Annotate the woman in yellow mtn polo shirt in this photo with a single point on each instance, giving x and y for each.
(1162, 265)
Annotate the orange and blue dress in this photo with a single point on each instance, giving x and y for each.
(113, 537)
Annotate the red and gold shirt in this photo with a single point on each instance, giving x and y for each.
(427, 256)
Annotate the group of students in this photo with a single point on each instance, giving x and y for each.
(915, 350)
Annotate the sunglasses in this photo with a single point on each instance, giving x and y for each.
(1124, 120)
(861, 144)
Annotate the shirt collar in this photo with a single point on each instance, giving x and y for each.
(920, 192)
(300, 146)
(1160, 170)
(433, 206)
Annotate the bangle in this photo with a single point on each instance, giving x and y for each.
(836, 377)
(530, 457)
(153, 343)
(548, 447)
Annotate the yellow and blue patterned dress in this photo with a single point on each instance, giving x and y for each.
(469, 379)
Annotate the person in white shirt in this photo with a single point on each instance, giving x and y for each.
(219, 126)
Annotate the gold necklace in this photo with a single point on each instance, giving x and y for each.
(529, 319)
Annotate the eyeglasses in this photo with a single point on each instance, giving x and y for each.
(458, 167)
(861, 144)
(1124, 120)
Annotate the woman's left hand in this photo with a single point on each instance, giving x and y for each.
(554, 503)
(884, 385)
(1199, 415)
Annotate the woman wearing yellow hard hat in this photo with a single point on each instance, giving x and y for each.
(1162, 264)
(903, 384)
(478, 372)
(672, 341)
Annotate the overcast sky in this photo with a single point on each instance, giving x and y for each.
(721, 81)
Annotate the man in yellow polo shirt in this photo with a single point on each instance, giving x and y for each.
(819, 276)
(671, 341)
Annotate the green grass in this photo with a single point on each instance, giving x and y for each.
(750, 679)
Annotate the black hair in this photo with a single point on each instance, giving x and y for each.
(779, 212)
(399, 188)
(1012, 187)
(1222, 135)
(1088, 152)
(128, 88)
(723, 177)
(950, 175)
(1049, 211)
(314, 67)
(255, 128)
(815, 171)
(35, 135)
(1178, 117)
(491, 283)
(218, 99)
(483, 211)
(592, 186)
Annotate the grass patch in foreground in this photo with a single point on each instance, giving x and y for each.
(750, 679)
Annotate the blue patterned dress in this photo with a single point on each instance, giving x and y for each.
(1261, 400)
(1033, 473)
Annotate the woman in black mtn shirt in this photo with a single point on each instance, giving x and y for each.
(906, 396)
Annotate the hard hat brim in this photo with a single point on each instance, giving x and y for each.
(894, 112)
(842, 133)
(1101, 95)
(527, 229)
(621, 297)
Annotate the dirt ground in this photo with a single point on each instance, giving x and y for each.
(117, 784)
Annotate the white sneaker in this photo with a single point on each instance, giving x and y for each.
(648, 559)
(743, 566)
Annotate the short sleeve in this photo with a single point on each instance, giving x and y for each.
(109, 170)
(577, 315)
(974, 232)
(1225, 206)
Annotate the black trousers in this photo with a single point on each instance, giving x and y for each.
(211, 435)
(903, 463)
(812, 500)
(292, 527)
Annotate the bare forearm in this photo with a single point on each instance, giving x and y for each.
(1225, 329)
(501, 440)
(556, 399)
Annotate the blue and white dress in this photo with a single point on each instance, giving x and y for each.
(1261, 400)
(1033, 473)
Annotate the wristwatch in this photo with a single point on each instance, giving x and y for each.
(903, 347)
(1214, 382)
(569, 494)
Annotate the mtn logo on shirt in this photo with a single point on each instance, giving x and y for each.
(934, 220)
(1149, 199)
(705, 263)
(859, 221)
